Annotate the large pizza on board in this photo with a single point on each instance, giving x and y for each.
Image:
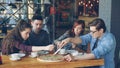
(50, 58)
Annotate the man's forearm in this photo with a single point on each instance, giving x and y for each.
(85, 57)
(76, 40)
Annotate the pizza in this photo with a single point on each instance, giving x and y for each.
(50, 58)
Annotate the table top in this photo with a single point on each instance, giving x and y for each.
(28, 62)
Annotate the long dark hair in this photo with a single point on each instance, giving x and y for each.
(14, 35)
(76, 23)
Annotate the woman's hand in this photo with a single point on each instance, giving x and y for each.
(73, 45)
(50, 47)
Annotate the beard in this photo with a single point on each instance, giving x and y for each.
(36, 30)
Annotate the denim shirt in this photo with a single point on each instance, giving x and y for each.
(105, 48)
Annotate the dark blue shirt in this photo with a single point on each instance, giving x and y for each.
(40, 39)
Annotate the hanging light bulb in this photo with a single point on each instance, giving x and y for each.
(89, 2)
(91, 5)
(81, 2)
(97, 1)
(86, 5)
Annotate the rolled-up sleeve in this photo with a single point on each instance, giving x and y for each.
(85, 39)
(104, 46)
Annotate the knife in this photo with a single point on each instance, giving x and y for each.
(57, 51)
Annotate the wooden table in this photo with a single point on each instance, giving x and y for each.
(27, 62)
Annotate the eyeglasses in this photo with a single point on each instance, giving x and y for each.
(93, 32)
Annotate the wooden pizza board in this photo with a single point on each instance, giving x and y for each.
(50, 58)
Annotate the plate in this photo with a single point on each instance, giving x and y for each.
(75, 52)
(18, 54)
(21, 54)
(32, 56)
(70, 51)
(81, 54)
(14, 59)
